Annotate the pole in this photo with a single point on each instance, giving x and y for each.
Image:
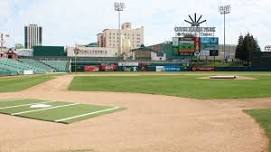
(224, 47)
(75, 64)
(119, 35)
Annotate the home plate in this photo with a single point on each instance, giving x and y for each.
(40, 106)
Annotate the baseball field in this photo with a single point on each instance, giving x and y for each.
(131, 112)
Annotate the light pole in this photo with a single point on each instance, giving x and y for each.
(224, 10)
(119, 7)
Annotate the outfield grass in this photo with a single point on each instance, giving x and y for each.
(181, 86)
(263, 117)
(54, 111)
(13, 84)
(173, 73)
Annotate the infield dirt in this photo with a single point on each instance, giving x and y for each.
(151, 123)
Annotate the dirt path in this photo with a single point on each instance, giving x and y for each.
(151, 123)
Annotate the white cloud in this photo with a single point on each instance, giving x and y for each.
(66, 22)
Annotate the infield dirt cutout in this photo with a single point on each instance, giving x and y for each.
(150, 123)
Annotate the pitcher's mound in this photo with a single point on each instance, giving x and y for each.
(227, 77)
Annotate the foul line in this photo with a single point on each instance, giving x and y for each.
(30, 111)
(87, 114)
(23, 105)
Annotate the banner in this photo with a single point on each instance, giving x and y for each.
(209, 43)
(186, 46)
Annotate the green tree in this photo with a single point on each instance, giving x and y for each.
(246, 47)
(239, 48)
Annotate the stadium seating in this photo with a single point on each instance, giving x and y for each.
(60, 66)
(18, 66)
(6, 72)
(38, 65)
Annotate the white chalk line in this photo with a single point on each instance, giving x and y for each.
(29, 104)
(87, 114)
(44, 109)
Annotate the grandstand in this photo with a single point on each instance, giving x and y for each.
(59, 66)
(7, 72)
(20, 66)
(38, 64)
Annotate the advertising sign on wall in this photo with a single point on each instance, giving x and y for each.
(186, 45)
(128, 64)
(209, 43)
(202, 31)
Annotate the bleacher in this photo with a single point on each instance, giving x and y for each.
(15, 67)
(5, 72)
(60, 66)
(38, 64)
(12, 65)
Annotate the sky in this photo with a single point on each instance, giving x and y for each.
(70, 22)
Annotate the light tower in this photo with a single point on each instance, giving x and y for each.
(119, 7)
(224, 10)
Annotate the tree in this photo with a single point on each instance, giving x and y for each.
(246, 47)
(238, 52)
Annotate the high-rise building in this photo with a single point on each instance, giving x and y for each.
(32, 35)
(130, 38)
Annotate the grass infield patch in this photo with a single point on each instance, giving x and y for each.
(263, 117)
(54, 111)
(189, 86)
(13, 84)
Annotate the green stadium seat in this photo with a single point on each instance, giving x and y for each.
(38, 65)
(60, 66)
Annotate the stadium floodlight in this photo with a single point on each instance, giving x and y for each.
(119, 7)
(224, 10)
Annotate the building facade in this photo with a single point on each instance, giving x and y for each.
(229, 52)
(124, 40)
(33, 36)
(91, 52)
(148, 54)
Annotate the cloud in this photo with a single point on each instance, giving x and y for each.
(78, 21)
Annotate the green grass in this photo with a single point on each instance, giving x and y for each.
(263, 117)
(181, 86)
(170, 73)
(60, 112)
(13, 84)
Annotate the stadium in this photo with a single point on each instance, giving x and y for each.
(62, 107)
(160, 98)
(118, 95)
